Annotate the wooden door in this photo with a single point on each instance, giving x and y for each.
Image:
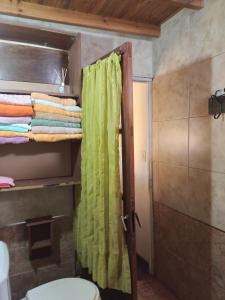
(128, 159)
(128, 217)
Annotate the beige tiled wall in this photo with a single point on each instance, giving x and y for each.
(189, 154)
(189, 144)
(189, 255)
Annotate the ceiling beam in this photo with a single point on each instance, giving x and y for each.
(66, 16)
(192, 4)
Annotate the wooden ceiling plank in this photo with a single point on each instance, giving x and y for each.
(137, 8)
(54, 14)
(192, 4)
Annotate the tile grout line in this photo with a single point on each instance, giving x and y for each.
(189, 167)
(189, 112)
(184, 118)
(190, 217)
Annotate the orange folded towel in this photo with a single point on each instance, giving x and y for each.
(7, 110)
(14, 134)
(63, 101)
(43, 137)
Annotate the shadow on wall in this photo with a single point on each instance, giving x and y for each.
(189, 181)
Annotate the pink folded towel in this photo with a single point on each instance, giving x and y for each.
(4, 185)
(7, 180)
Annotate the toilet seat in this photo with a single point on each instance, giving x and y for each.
(67, 288)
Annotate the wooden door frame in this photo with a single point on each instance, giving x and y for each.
(128, 158)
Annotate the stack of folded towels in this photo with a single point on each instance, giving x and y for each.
(55, 119)
(15, 118)
(6, 182)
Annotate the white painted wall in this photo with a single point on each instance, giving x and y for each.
(142, 167)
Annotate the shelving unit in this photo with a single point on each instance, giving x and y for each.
(34, 184)
(31, 58)
(59, 164)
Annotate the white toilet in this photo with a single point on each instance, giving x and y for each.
(68, 288)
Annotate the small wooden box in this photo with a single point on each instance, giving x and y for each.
(43, 241)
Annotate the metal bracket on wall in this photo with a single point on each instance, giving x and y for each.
(217, 104)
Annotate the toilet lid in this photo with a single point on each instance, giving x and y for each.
(68, 288)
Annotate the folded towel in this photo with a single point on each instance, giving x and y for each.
(13, 140)
(56, 137)
(14, 134)
(26, 126)
(41, 137)
(14, 120)
(63, 101)
(57, 105)
(13, 128)
(7, 180)
(15, 110)
(49, 109)
(43, 122)
(56, 117)
(55, 130)
(4, 185)
(15, 99)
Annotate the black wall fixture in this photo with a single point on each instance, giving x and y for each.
(217, 104)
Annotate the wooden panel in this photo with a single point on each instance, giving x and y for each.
(193, 4)
(16, 87)
(150, 11)
(36, 36)
(76, 160)
(67, 16)
(128, 158)
(36, 160)
(31, 64)
(138, 11)
(75, 67)
(34, 184)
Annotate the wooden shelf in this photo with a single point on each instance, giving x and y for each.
(26, 88)
(40, 37)
(41, 183)
(41, 244)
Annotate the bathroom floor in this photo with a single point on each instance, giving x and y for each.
(150, 288)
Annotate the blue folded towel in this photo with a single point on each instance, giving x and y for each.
(13, 128)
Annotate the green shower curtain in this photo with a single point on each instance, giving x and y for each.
(99, 235)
